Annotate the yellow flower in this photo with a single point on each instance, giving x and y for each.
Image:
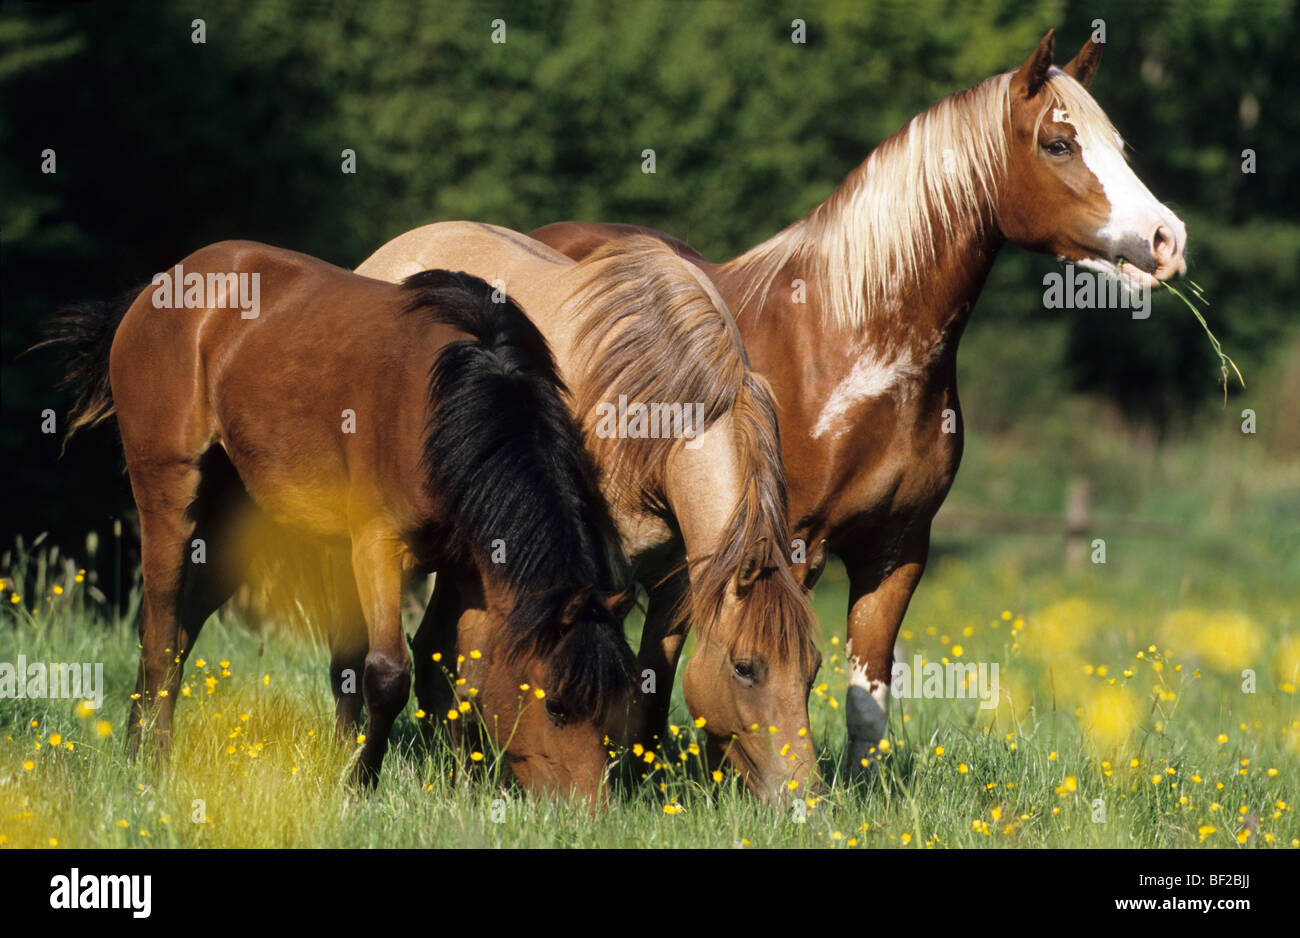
(103, 729)
(699, 723)
(453, 714)
(673, 808)
(539, 693)
(717, 775)
(1221, 738)
(938, 750)
(476, 756)
(28, 765)
(200, 663)
(884, 745)
(963, 768)
(906, 839)
(55, 739)
(1071, 784)
(419, 714)
(464, 706)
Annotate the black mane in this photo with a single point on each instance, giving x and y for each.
(505, 455)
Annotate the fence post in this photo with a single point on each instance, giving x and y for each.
(1078, 521)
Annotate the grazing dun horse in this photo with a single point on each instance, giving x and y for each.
(699, 504)
(864, 366)
(407, 427)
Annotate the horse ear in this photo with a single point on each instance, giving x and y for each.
(751, 565)
(620, 603)
(1084, 65)
(574, 605)
(816, 565)
(1029, 78)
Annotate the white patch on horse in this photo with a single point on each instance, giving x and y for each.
(1134, 211)
(872, 375)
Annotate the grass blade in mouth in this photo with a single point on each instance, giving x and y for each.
(1224, 360)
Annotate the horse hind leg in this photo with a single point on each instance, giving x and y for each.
(190, 512)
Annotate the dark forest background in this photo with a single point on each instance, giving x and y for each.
(164, 145)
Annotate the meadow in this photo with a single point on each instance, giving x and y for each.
(1126, 715)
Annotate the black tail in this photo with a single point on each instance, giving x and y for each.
(505, 455)
(83, 333)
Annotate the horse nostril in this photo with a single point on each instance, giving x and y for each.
(1163, 245)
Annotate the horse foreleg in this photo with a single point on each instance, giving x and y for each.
(348, 645)
(656, 665)
(436, 636)
(377, 563)
(876, 609)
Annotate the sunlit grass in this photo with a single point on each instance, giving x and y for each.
(1146, 702)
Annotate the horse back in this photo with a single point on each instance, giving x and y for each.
(313, 380)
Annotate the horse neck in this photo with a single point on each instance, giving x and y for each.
(929, 309)
(703, 485)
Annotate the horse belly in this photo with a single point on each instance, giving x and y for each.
(304, 490)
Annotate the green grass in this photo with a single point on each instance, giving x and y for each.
(1167, 744)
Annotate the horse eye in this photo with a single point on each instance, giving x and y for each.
(744, 670)
(555, 710)
(1058, 147)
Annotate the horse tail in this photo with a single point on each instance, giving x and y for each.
(83, 333)
(505, 455)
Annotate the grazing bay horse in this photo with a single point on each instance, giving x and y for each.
(685, 437)
(854, 313)
(408, 427)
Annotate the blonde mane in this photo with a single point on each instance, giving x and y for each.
(649, 331)
(939, 173)
(653, 329)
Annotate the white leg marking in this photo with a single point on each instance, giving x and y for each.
(866, 711)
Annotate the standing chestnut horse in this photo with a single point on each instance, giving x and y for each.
(700, 506)
(864, 366)
(409, 427)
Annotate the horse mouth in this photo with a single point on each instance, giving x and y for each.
(1135, 276)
